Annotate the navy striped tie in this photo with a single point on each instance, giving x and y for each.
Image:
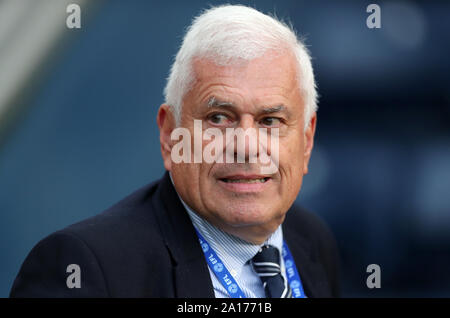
(266, 264)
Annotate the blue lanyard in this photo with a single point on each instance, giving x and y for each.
(229, 283)
(292, 273)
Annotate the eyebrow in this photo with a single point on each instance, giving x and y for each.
(214, 102)
(275, 109)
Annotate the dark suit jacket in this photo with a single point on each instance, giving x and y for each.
(146, 246)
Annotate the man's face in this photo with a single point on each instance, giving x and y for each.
(262, 93)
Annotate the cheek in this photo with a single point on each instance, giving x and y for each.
(188, 174)
(197, 178)
(291, 156)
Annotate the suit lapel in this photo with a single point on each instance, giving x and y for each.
(191, 274)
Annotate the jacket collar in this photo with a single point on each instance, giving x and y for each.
(191, 274)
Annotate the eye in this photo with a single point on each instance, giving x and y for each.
(218, 119)
(270, 121)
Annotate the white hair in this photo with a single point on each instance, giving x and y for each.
(228, 33)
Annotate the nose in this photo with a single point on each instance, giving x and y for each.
(242, 141)
(247, 121)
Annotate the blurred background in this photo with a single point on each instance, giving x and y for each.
(78, 129)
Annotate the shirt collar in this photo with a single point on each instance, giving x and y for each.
(233, 251)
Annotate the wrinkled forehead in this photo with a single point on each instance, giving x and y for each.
(269, 75)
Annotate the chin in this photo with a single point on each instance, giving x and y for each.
(247, 216)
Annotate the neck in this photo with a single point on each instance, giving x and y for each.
(253, 234)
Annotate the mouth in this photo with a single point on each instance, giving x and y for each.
(245, 180)
(245, 184)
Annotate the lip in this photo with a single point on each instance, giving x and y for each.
(244, 176)
(240, 187)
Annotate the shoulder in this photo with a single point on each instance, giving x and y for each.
(122, 221)
(307, 224)
(120, 242)
(127, 231)
(317, 240)
(44, 272)
(303, 226)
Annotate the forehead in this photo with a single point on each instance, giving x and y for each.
(267, 79)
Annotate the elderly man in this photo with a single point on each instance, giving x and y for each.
(222, 227)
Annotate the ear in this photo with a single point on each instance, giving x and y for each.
(166, 124)
(309, 141)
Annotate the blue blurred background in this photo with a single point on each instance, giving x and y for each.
(78, 131)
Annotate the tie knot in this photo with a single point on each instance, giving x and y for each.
(267, 260)
(266, 264)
